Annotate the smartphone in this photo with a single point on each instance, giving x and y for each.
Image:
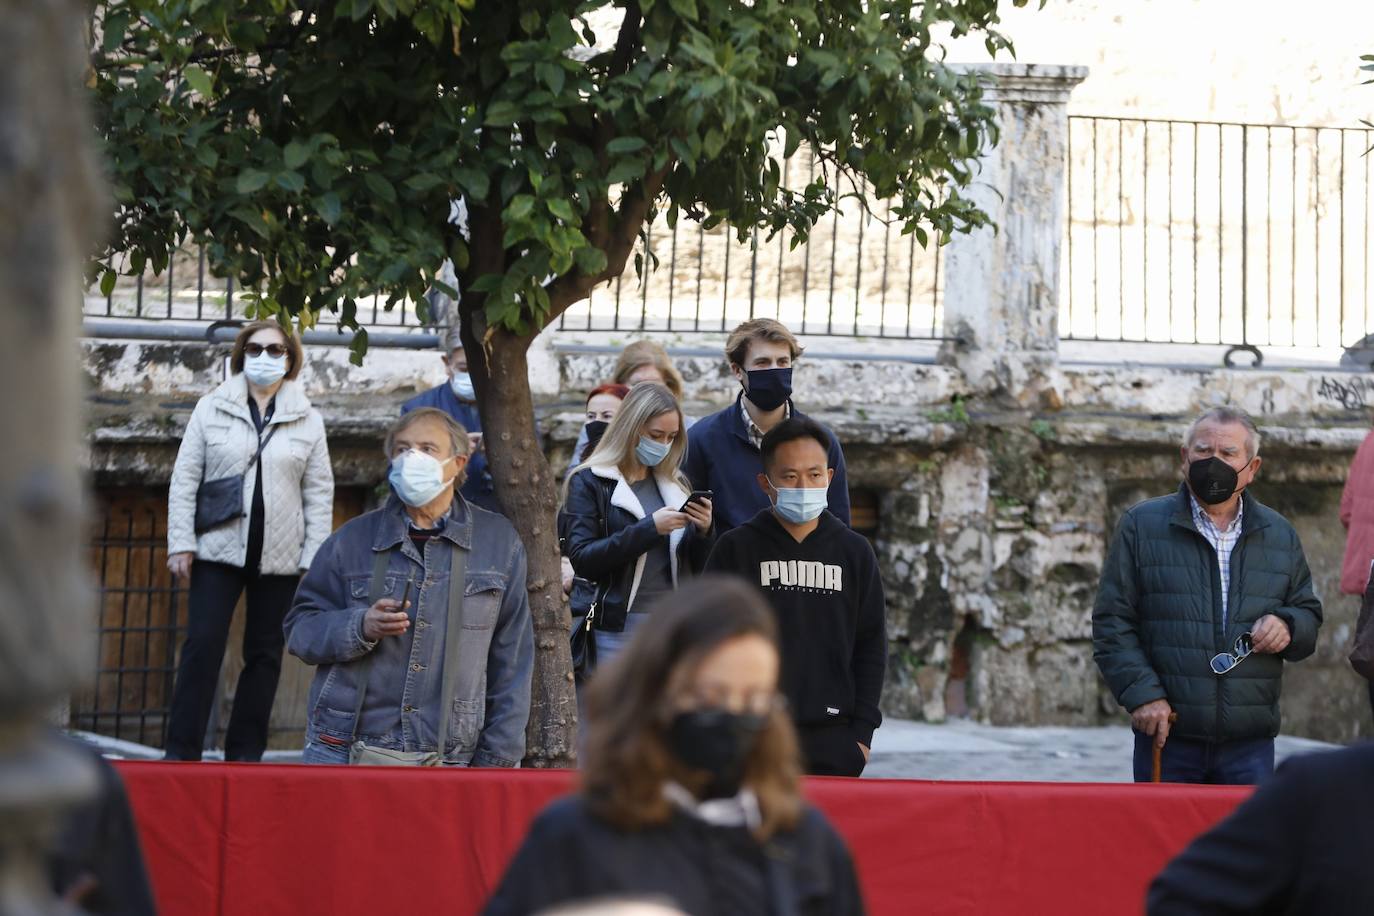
(405, 595)
(696, 496)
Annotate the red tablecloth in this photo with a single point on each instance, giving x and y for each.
(256, 840)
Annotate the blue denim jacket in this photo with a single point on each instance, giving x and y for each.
(401, 710)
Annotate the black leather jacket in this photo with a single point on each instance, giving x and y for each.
(604, 542)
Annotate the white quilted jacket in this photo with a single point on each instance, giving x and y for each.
(297, 480)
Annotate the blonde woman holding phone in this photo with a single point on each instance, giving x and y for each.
(630, 523)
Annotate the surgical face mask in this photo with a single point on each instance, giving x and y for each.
(1212, 480)
(650, 453)
(769, 389)
(461, 383)
(718, 742)
(800, 505)
(263, 370)
(417, 478)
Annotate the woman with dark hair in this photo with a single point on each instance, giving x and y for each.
(251, 500)
(690, 787)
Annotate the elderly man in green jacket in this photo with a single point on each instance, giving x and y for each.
(1204, 595)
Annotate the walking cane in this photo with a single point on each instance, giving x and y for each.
(1158, 750)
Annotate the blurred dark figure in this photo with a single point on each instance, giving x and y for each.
(690, 792)
(96, 864)
(1301, 846)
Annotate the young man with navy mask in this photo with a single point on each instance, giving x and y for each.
(723, 449)
(456, 398)
(822, 581)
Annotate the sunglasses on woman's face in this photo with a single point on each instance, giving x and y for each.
(1223, 662)
(273, 350)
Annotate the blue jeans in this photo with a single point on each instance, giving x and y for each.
(1235, 763)
(609, 645)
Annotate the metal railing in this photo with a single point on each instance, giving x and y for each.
(1213, 232)
(141, 624)
(856, 276)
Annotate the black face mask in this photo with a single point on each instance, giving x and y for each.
(595, 430)
(769, 389)
(718, 742)
(1212, 480)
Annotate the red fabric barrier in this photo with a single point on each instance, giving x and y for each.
(257, 840)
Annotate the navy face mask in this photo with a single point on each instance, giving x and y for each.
(769, 389)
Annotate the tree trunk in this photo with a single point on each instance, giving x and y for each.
(528, 497)
(49, 202)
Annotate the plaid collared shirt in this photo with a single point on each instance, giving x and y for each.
(1223, 542)
(751, 428)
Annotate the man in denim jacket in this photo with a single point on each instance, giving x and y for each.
(331, 624)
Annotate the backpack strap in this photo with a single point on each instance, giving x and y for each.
(453, 629)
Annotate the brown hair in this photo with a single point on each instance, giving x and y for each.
(648, 353)
(626, 761)
(737, 345)
(295, 355)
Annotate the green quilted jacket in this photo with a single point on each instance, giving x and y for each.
(1157, 619)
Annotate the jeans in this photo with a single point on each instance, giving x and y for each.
(1239, 763)
(609, 645)
(215, 589)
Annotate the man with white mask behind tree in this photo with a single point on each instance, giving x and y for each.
(400, 679)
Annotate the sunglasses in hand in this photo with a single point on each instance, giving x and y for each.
(1223, 662)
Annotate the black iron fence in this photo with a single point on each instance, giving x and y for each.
(142, 620)
(1205, 232)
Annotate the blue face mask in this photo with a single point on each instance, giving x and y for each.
(800, 505)
(461, 383)
(418, 478)
(650, 453)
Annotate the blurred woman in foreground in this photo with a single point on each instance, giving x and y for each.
(690, 789)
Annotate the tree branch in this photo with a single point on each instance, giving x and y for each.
(620, 242)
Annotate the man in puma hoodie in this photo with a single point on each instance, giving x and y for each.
(822, 581)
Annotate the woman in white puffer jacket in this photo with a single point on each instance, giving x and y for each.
(287, 512)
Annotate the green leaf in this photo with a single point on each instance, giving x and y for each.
(475, 183)
(560, 208)
(380, 187)
(520, 207)
(107, 282)
(207, 156)
(626, 170)
(501, 113)
(423, 182)
(620, 146)
(251, 180)
(296, 154)
(330, 207)
(687, 9)
(291, 181)
(199, 80)
(591, 261)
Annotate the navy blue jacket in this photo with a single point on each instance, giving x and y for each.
(721, 458)
(478, 489)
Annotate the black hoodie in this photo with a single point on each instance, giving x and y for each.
(828, 598)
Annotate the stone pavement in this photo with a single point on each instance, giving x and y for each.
(960, 749)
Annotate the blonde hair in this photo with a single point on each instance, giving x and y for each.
(643, 353)
(645, 401)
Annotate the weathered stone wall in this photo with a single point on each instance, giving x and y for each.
(993, 521)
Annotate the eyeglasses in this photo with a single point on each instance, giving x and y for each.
(1225, 661)
(273, 350)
